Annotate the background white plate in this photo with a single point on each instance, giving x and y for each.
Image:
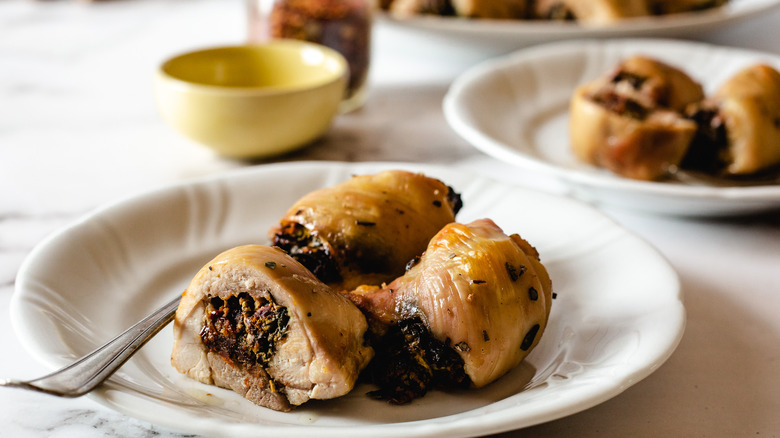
(617, 318)
(526, 32)
(515, 108)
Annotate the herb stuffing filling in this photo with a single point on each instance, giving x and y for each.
(243, 329)
(410, 361)
(308, 250)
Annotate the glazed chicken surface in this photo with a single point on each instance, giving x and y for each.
(473, 306)
(365, 230)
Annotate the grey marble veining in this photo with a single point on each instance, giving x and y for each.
(78, 418)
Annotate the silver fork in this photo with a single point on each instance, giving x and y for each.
(87, 373)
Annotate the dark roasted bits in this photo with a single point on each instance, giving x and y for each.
(243, 329)
(632, 79)
(308, 250)
(621, 104)
(528, 340)
(514, 273)
(410, 361)
(455, 200)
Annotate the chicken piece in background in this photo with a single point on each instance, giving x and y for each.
(630, 120)
(739, 126)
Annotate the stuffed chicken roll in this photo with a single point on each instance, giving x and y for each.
(470, 310)
(256, 321)
(630, 121)
(365, 230)
(739, 126)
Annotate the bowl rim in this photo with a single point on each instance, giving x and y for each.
(179, 83)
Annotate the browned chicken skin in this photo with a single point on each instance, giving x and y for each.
(470, 306)
(365, 230)
(469, 311)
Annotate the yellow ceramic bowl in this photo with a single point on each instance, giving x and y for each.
(253, 101)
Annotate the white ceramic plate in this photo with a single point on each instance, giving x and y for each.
(515, 108)
(618, 315)
(526, 32)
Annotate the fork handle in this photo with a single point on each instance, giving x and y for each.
(91, 370)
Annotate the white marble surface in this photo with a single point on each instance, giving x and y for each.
(78, 128)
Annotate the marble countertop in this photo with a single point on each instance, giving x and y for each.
(78, 129)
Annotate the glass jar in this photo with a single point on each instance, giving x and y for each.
(343, 25)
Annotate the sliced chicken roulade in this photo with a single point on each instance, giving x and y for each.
(256, 321)
(365, 230)
(470, 310)
(739, 127)
(630, 121)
